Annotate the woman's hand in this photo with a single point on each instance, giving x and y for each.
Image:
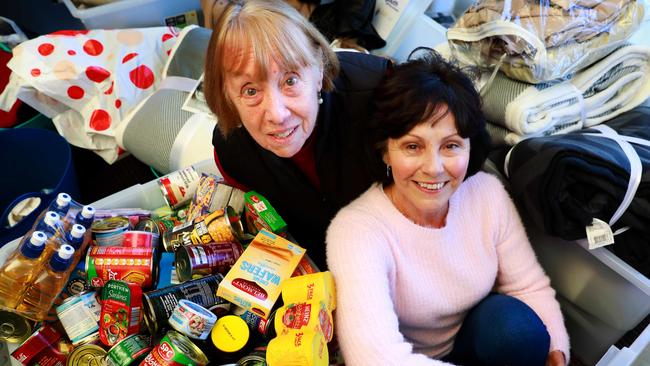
(556, 358)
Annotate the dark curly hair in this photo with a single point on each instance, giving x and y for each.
(411, 93)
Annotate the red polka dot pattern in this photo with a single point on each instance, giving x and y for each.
(166, 36)
(142, 77)
(93, 47)
(75, 92)
(100, 120)
(128, 57)
(118, 103)
(36, 72)
(46, 49)
(97, 74)
(110, 90)
(71, 52)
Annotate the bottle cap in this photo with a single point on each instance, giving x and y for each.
(77, 231)
(38, 238)
(34, 246)
(63, 199)
(62, 259)
(51, 218)
(88, 212)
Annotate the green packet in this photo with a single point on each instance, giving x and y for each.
(261, 215)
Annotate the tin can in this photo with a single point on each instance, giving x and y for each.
(86, 355)
(256, 323)
(109, 232)
(136, 265)
(207, 259)
(175, 349)
(192, 320)
(76, 283)
(166, 224)
(149, 225)
(255, 358)
(79, 316)
(13, 327)
(138, 239)
(121, 311)
(221, 226)
(128, 350)
(159, 304)
(179, 187)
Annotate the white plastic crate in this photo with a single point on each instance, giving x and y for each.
(638, 354)
(131, 13)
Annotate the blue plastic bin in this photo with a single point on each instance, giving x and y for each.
(35, 163)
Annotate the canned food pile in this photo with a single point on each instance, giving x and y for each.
(213, 278)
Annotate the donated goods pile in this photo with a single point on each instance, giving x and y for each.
(211, 279)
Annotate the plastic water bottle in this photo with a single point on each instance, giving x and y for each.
(85, 216)
(40, 295)
(17, 273)
(61, 204)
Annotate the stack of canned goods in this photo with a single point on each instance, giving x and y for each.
(116, 310)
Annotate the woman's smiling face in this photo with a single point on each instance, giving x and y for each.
(428, 164)
(278, 111)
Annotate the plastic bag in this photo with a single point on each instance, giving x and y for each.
(535, 41)
(101, 75)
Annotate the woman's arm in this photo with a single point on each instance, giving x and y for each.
(366, 324)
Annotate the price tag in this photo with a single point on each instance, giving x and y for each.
(599, 234)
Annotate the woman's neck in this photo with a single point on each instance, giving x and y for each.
(432, 219)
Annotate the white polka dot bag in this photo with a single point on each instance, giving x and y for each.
(100, 75)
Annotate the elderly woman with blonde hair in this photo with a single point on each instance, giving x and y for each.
(291, 113)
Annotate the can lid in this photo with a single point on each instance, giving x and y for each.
(230, 334)
(13, 327)
(63, 199)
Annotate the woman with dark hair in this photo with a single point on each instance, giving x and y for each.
(432, 263)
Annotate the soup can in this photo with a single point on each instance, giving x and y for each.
(175, 349)
(13, 327)
(159, 304)
(79, 316)
(128, 350)
(203, 260)
(220, 226)
(136, 265)
(179, 187)
(109, 232)
(86, 355)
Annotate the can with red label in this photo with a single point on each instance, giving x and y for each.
(46, 346)
(138, 239)
(136, 265)
(178, 187)
(204, 260)
(175, 349)
(121, 311)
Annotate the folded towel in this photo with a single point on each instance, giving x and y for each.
(614, 85)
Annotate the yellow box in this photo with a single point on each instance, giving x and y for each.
(256, 279)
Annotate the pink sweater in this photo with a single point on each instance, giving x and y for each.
(404, 289)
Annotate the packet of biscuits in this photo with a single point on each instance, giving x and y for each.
(256, 279)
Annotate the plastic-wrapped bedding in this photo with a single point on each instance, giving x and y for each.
(562, 182)
(565, 181)
(535, 41)
(613, 85)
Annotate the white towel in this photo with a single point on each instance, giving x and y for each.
(613, 85)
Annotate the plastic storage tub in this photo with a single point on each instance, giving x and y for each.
(146, 196)
(638, 354)
(602, 297)
(131, 13)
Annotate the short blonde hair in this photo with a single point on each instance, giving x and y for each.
(275, 32)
